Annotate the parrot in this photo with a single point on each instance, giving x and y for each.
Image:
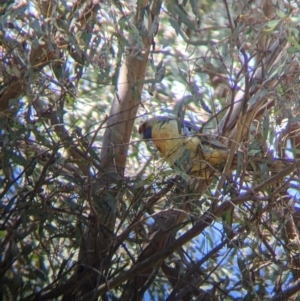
(183, 147)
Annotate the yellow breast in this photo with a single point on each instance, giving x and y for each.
(167, 140)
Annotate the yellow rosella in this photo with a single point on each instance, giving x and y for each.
(183, 148)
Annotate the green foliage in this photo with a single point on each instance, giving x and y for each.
(157, 234)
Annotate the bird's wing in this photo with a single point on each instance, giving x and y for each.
(206, 156)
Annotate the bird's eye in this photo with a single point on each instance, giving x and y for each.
(141, 128)
(145, 131)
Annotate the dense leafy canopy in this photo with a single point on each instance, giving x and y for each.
(87, 210)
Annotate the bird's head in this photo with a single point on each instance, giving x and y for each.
(163, 132)
(168, 135)
(168, 125)
(146, 128)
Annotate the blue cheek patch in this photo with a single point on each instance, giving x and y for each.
(148, 133)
